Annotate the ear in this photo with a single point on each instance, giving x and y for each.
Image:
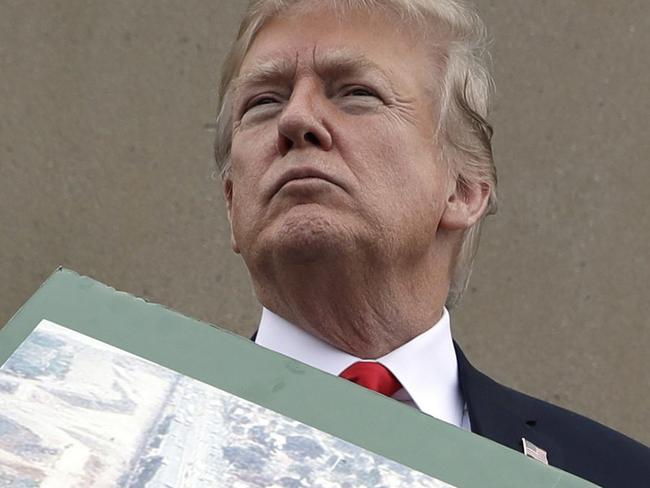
(466, 204)
(227, 193)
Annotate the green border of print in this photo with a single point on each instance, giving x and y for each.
(238, 366)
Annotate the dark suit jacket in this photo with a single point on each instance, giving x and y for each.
(573, 443)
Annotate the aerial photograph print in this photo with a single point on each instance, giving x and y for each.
(77, 412)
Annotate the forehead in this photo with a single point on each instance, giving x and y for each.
(326, 62)
(327, 42)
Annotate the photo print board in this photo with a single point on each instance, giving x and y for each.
(99, 388)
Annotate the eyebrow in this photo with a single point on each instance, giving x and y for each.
(266, 71)
(333, 63)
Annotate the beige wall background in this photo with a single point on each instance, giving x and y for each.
(105, 167)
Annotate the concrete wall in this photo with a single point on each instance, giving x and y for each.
(105, 167)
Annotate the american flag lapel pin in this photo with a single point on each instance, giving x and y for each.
(532, 451)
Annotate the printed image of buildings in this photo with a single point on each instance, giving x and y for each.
(78, 413)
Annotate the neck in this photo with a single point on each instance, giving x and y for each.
(356, 308)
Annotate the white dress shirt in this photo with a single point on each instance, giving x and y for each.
(426, 366)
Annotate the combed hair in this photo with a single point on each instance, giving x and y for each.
(464, 94)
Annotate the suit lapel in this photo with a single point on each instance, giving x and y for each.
(501, 414)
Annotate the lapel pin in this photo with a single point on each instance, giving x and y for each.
(532, 451)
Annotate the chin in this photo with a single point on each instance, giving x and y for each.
(307, 236)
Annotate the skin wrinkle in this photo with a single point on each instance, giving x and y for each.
(418, 29)
(369, 328)
(453, 47)
(340, 64)
(406, 109)
(270, 69)
(366, 268)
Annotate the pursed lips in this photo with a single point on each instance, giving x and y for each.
(299, 174)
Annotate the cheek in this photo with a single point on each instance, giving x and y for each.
(402, 174)
(243, 217)
(251, 155)
(242, 170)
(415, 162)
(398, 160)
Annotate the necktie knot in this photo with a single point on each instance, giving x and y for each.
(373, 376)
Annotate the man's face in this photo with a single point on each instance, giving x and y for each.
(334, 148)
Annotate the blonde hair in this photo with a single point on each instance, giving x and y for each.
(464, 133)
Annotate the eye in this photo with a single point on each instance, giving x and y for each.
(358, 91)
(260, 101)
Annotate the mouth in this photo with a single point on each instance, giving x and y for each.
(303, 173)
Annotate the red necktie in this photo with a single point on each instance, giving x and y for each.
(373, 376)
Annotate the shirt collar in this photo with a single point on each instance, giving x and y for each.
(426, 366)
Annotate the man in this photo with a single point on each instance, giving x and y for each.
(357, 170)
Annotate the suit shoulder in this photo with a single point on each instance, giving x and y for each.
(574, 443)
(555, 417)
(588, 445)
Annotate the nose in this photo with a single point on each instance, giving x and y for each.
(303, 120)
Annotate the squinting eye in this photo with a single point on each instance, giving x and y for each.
(359, 92)
(257, 102)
